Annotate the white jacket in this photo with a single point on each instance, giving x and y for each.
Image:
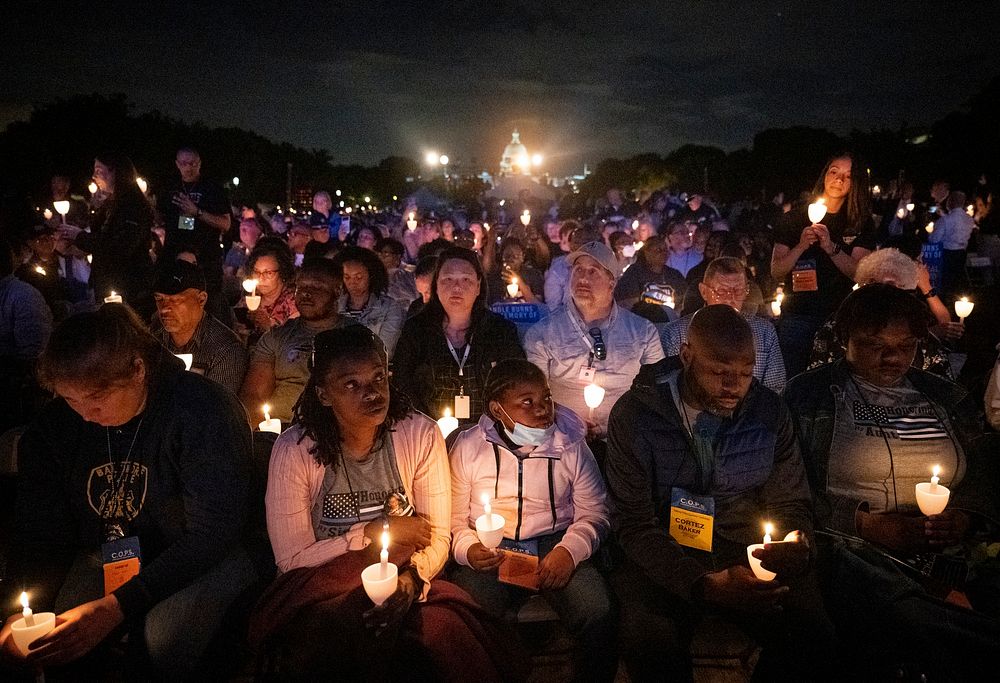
(520, 490)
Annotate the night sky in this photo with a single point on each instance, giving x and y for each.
(581, 80)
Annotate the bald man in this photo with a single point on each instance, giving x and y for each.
(700, 455)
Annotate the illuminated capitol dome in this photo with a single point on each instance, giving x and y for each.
(515, 159)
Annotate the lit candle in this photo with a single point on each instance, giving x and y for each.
(250, 286)
(47, 214)
(447, 424)
(384, 556)
(776, 308)
(143, 185)
(29, 619)
(40, 270)
(113, 298)
(512, 289)
(63, 208)
(755, 564)
(817, 210)
(92, 187)
(932, 497)
(910, 206)
(593, 396)
(487, 510)
(971, 210)
(929, 227)
(901, 213)
(489, 525)
(525, 218)
(411, 222)
(270, 424)
(768, 530)
(963, 308)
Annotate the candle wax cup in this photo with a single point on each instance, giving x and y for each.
(932, 500)
(253, 302)
(490, 530)
(379, 589)
(272, 425)
(755, 564)
(25, 635)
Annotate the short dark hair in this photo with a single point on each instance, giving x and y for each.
(724, 265)
(874, 307)
(722, 329)
(98, 348)
(378, 277)
(426, 266)
(505, 375)
(390, 244)
(324, 267)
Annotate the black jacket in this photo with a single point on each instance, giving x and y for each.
(193, 450)
(757, 475)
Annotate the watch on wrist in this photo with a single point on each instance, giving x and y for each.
(930, 293)
(836, 249)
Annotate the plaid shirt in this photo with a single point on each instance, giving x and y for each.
(218, 352)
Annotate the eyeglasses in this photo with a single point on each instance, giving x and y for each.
(264, 274)
(600, 348)
(729, 293)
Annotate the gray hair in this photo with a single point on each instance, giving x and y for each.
(887, 264)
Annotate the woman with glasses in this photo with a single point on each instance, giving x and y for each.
(366, 297)
(446, 350)
(271, 264)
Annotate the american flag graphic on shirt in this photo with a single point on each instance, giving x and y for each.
(342, 510)
(908, 426)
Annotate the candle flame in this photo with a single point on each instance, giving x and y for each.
(936, 470)
(385, 540)
(266, 409)
(447, 412)
(24, 600)
(486, 499)
(768, 528)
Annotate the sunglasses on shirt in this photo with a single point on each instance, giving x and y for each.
(600, 348)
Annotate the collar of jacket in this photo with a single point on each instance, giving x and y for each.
(651, 387)
(570, 431)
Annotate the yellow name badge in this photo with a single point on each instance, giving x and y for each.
(691, 519)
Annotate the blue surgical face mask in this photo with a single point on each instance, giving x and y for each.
(528, 436)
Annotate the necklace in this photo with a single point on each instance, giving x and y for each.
(108, 511)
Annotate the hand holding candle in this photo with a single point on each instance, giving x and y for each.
(30, 627)
(755, 564)
(489, 525)
(113, 298)
(512, 289)
(380, 579)
(817, 210)
(932, 497)
(963, 308)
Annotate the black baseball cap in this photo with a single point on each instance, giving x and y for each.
(177, 276)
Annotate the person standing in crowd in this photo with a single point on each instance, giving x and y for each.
(271, 265)
(279, 363)
(59, 188)
(952, 231)
(696, 210)
(697, 439)
(556, 287)
(365, 298)
(592, 341)
(184, 326)
(530, 457)
(682, 256)
(299, 236)
(402, 285)
(251, 230)
(119, 236)
(650, 267)
(196, 214)
(726, 283)
(871, 427)
(447, 349)
(136, 456)
(818, 260)
(323, 215)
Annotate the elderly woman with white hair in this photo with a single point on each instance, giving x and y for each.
(893, 267)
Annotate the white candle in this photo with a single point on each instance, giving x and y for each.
(63, 208)
(817, 210)
(250, 286)
(963, 308)
(525, 218)
(932, 497)
(593, 396)
(40, 270)
(489, 525)
(270, 424)
(910, 206)
(447, 424)
(768, 530)
(384, 556)
(755, 564)
(901, 213)
(92, 187)
(47, 214)
(513, 289)
(776, 308)
(487, 510)
(934, 477)
(411, 222)
(29, 619)
(929, 227)
(113, 298)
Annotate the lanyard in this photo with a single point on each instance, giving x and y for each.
(454, 354)
(585, 336)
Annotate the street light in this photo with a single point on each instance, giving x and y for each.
(236, 181)
(444, 159)
(432, 158)
(536, 159)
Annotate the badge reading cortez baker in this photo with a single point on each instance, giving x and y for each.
(121, 562)
(691, 519)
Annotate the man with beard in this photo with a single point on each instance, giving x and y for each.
(700, 457)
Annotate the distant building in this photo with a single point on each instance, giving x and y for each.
(515, 159)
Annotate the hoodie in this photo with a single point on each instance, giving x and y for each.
(554, 486)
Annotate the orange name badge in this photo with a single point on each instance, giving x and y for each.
(804, 276)
(121, 562)
(520, 564)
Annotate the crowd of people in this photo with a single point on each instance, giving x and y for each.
(244, 402)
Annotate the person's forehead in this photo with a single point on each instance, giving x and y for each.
(726, 279)
(457, 267)
(360, 363)
(187, 158)
(315, 280)
(586, 262)
(894, 330)
(722, 358)
(190, 292)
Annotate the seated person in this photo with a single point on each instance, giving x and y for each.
(871, 427)
(559, 509)
(423, 275)
(650, 266)
(279, 362)
(356, 447)
(726, 282)
(365, 298)
(402, 284)
(698, 441)
(185, 327)
(893, 267)
(271, 265)
(515, 268)
(136, 455)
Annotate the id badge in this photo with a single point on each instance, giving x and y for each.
(462, 409)
(587, 374)
(691, 519)
(804, 276)
(520, 563)
(185, 223)
(122, 559)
